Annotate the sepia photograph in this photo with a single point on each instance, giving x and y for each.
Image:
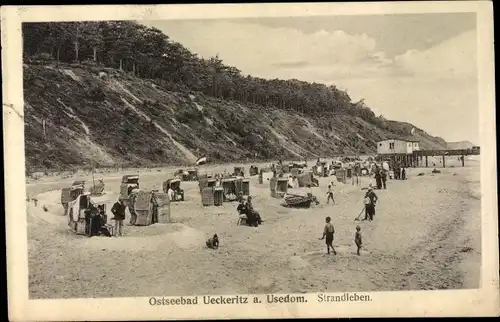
(202, 161)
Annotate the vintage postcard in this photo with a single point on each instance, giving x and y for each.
(250, 161)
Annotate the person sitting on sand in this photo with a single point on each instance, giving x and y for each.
(213, 242)
(328, 233)
(313, 198)
(253, 217)
(357, 239)
(242, 208)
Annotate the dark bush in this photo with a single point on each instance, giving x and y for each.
(43, 57)
(189, 115)
(97, 94)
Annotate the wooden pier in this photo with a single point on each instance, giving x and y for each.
(416, 159)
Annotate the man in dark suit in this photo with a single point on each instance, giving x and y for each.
(118, 211)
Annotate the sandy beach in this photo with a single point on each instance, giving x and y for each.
(425, 236)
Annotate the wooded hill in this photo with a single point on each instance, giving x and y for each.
(98, 65)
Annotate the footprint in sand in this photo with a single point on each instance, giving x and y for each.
(297, 262)
(342, 250)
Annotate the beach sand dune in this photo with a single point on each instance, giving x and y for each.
(426, 235)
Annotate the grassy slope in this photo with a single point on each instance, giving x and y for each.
(115, 119)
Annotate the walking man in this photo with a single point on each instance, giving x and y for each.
(384, 178)
(328, 233)
(378, 178)
(396, 171)
(118, 211)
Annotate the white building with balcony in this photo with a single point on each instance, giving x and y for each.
(397, 146)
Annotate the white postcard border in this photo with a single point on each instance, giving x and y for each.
(480, 302)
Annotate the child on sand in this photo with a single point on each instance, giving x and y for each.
(330, 194)
(328, 233)
(357, 239)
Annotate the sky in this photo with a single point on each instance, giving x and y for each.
(418, 68)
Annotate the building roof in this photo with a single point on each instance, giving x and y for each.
(409, 139)
(399, 139)
(391, 138)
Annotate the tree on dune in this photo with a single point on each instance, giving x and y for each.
(148, 53)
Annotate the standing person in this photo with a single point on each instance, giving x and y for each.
(370, 202)
(131, 208)
(154, 205)
(366, 201)
(403, 173)
(378, 178)
(118, 211)
(171, 193)
(357, 169)
(330, 195)
(384, 178)
(328, 233)
(357, 239)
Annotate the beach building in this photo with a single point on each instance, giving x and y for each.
(411, 146)
(416, 145)
(407, 152)
(397, 146)
(392, 146)
(398, 150)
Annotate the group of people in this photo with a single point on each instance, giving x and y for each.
(95, 217)
(328, 234)
(118, 211)
(399, 172)
(370, 201)
(246, 210)
(381, 177)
